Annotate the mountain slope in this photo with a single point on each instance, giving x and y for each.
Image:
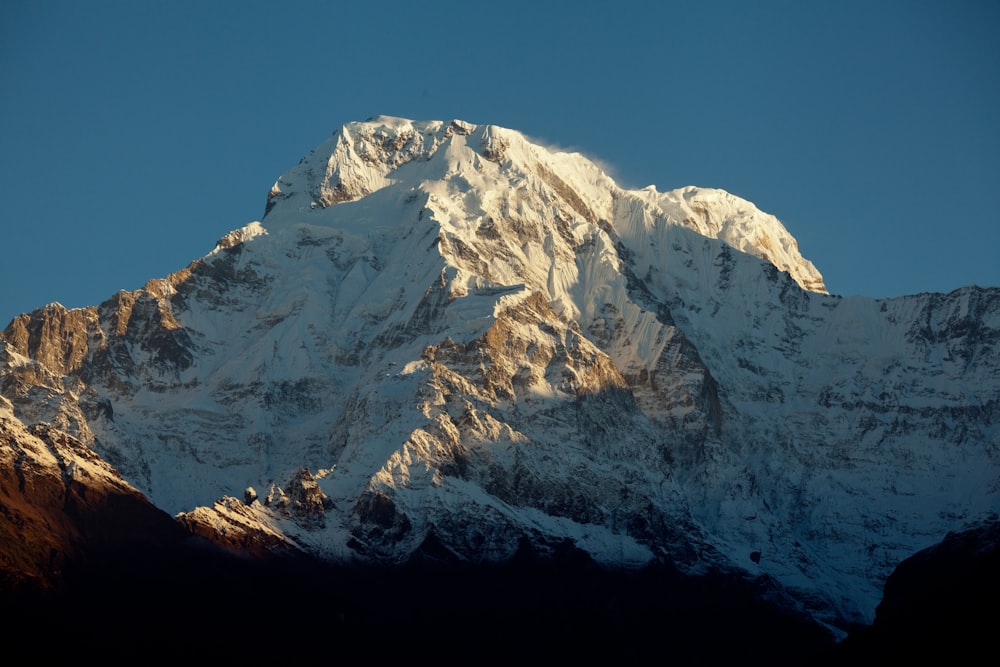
(62, 505)
(442, 338)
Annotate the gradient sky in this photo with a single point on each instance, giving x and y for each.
(135, 134)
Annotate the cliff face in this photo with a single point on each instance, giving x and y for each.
(443, 337)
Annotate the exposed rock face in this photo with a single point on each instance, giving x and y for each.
(240, 527)
(61, 505)
(475, 342)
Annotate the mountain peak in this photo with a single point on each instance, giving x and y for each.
(478, 174)
(445, 338)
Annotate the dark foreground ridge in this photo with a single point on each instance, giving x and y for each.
(942, 602)
(197, 602)
(194, 600)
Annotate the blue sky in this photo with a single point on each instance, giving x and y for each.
(134, 134)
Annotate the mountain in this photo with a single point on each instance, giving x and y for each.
(61, 502)
(940, 601)
(445, 343)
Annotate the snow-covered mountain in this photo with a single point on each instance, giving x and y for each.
(443, 335)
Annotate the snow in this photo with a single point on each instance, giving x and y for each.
(238, 236)
(383, 323)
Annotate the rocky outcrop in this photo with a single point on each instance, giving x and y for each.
(62, 506)
(239, 526)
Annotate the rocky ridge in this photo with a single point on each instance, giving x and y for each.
(443, 334)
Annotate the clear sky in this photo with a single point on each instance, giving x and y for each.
(134, 134)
